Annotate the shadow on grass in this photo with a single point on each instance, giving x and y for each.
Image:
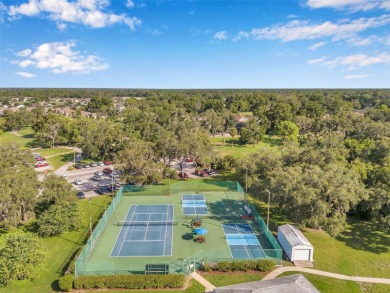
(365, 236)
(187, 236)
(28, 135)
(55, 285)
(272, 141)
(32, 144)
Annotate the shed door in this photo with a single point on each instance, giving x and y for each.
(302, 254)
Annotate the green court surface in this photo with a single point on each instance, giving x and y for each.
(224, 206)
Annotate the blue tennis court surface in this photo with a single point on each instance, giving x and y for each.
(148, 232)
(194, 204)
(242, 241)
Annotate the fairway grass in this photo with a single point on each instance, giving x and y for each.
(25, 141)
(61, 250)
(234, 148)
(227, 279)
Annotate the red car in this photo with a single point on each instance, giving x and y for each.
(201, 173)
(107, 162)
(183, 175)
(188, 160)
(107, 171)
(40, 159)
(41, 164)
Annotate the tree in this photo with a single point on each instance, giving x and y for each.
(252, 132)
(289, 130)
(59, 218)
(56, 189)
(232, 132)
(19, 185)
(22, 257)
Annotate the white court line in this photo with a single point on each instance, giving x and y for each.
(120, 249)
(147, 227)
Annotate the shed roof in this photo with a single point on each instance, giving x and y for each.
(293, 235)
(288, 284)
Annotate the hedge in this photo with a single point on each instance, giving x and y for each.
(66, 283)
(130, 281)
(262, 265)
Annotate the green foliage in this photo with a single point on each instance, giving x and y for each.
(59, 218)
(261, 265)
(22, 257)
(66, 283)
(288, 130)
(130, 281)
(57, 189)
(97, 104)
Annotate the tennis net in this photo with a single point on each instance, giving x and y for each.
(149, 223)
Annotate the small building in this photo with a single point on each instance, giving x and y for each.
(295, 244)
(288, 284)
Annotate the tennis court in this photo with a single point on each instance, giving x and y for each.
(194, 205)
(146, 231)
(242, 241)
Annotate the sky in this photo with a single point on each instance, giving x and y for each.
(195, 44)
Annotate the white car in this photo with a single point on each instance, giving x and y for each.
(78, 182)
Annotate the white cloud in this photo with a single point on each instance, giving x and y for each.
(240, 35)
(25, 74)
(62, 26)
(292, 16)
(316, 46)
(304, 30)
(59, 57)
(130, 4)
(24, 53)
(221, 35)
(353, 61)
(352, 5)
(356, 76)
(359, 42)
(87, 12)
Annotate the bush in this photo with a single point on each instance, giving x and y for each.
(264, 265)
(208, 267)
(66, 283)
(224, 266)
(130, 282)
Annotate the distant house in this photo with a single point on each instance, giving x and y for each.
(295, 244)
(289, 284)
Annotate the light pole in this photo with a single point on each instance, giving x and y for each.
(246, 179)
(269, 199)
(90, 218)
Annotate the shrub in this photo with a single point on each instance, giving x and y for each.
(207, 267)
(224, 266)
(130, 281)
(264, 265)
(66, 283)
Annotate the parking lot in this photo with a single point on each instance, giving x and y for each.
(88, 186)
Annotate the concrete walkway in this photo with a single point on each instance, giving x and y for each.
(208, 286)
(282, 270)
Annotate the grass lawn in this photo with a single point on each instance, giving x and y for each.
(58, 161)
(46, 152)
(226, 279)
(329, 285)
(24, 141)
(363, 249)
(239, 150)
(60, 249)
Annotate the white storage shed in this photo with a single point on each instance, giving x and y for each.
(295, 244)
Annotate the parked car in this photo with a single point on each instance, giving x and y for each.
(208, 171)
(36, 155)
(80, 195)
(94, 164)
(41, 164)
(97, 178)
(107, 171)
(78, 166)
(100, 163)
(201, 173)
(188, 160)
(106, 189)
(99, 173)
(183, 175)
(40, 159)
(107, 162)
(115, 174)
(86, 166)
(78, 182)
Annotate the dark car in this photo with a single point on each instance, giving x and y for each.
(106, 189)
(80, 195)
(208, 171)
(97, 178)
(183, 175)
(78, 166)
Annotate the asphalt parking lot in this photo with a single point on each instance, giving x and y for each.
(89, 186)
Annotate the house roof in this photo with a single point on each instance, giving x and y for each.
(288, 284)
(293, 235)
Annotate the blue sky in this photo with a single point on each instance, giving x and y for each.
(195, 44)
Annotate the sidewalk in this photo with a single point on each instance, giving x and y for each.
(208, 286)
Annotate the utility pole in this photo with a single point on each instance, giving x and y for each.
(269, 199)
(90, 219)
(246, 179)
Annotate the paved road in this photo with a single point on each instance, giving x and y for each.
(282, 270)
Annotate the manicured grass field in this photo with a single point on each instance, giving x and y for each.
(53, 151)
(225, 279)
(234, 148)
(24, 141)
(330, 285)
(61, 250)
